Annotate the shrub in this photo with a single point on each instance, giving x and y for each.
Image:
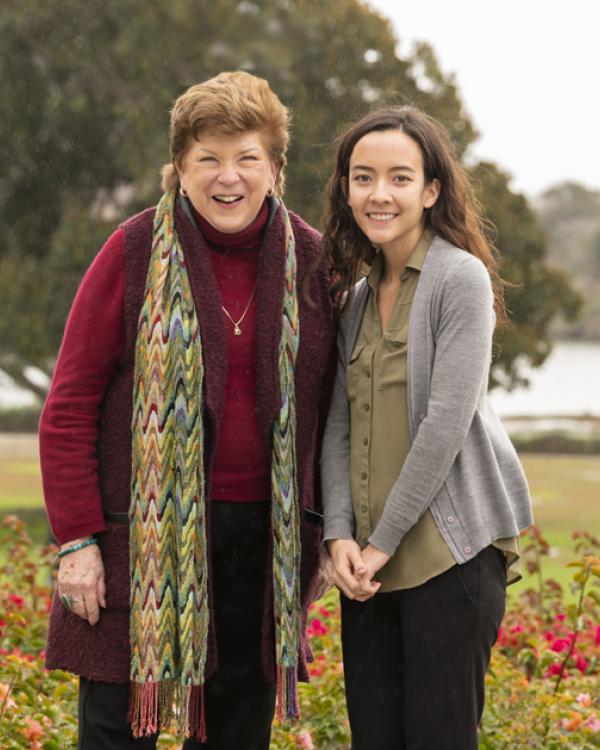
(542, 688)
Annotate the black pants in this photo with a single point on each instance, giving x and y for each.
(240, 703)
(415, 660)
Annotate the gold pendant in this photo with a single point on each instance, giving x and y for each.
(237, 331)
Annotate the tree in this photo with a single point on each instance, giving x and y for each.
(84, 110)
(535, 293)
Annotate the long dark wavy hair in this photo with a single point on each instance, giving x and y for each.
(456, 216)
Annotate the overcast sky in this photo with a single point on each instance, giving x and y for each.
(528, 72)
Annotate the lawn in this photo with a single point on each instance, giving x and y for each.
(566, 497)
(565, 491)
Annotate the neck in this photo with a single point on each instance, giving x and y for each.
(396, 255)
(248, 237)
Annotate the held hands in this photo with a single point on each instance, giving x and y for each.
(81, 582)
(353, 570)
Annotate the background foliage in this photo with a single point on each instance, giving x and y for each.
(541, 689)
(84, 104)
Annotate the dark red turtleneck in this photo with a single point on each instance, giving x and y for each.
(241, 469)
(90, 350)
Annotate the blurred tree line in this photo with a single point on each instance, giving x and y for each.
(570, 214)
(85, 94)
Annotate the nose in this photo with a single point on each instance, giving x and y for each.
(380, 192)
(228, 174)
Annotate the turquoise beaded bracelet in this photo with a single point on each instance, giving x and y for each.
(78, 546)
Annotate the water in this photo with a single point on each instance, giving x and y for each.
(568, 384)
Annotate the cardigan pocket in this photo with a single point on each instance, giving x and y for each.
(392, 363)
(353, 372)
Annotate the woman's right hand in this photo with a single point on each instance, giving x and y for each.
(348, 568)
(81, 579)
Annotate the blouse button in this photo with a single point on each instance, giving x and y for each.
(364, 475)
(366, 407)
(450, 519)
(364, 508)
(366, 441)
(467, 550)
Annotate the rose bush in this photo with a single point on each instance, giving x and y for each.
(542, 689)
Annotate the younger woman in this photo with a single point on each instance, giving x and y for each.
(424, 496)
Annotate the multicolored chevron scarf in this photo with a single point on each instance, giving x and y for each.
(170, 616)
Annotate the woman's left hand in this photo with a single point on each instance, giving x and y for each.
(374, 559)
(324, 579)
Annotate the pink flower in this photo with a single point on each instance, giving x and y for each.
(18, 601)
(593, 723)
(597, 637)
(561, 618)
(5, 696)
(560, 644)
(584, 699)
(316, 628)
(549, 635)
(34, 730)
(554, 670)
(304, 740)
(517, 629)
(581, 663)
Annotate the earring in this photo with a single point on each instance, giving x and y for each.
(270, 192)
(182, 191)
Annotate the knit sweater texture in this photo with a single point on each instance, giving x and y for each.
(101, 652)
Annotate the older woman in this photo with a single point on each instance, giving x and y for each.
(179, 439)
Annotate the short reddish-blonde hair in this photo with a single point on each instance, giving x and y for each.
(230, 103)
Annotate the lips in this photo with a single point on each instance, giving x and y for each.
(381, 216)
(227, 200)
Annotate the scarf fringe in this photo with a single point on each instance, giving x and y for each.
(152, 705)
(288, 708)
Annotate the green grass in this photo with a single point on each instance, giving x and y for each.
(565, 491)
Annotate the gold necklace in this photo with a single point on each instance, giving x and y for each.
(237, 331)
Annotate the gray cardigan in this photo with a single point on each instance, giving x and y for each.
(461, 465)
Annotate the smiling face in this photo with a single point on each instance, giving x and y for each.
(227, 178)
(387, 191)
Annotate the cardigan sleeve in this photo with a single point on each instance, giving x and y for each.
(91, 346)
(461, 365)
(338, 514)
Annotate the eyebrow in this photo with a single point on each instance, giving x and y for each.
(403, 168)
(243, 151)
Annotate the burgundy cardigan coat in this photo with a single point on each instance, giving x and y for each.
(101, 652)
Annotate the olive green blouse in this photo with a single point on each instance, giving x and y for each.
(380, 435)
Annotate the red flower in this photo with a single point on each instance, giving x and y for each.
(560, 644)
(581, 664)
(18, 601)
(316, 628)
(553, 669)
